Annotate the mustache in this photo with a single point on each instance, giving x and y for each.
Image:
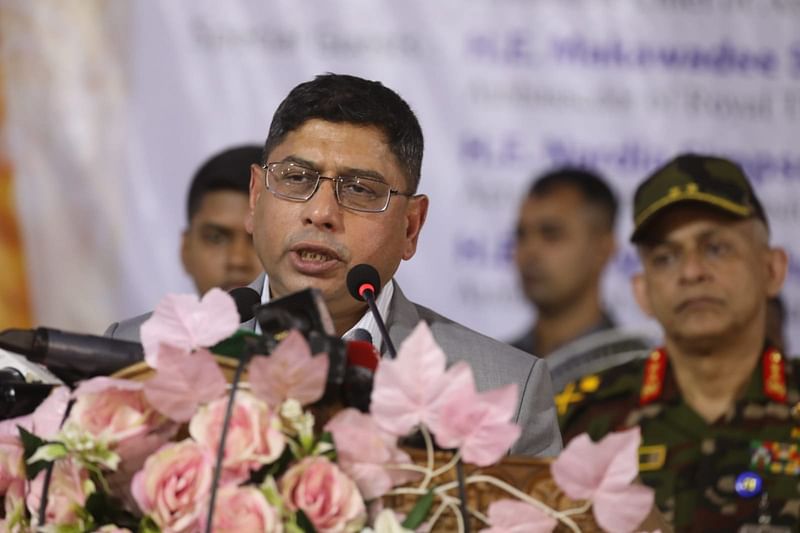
(322, 239)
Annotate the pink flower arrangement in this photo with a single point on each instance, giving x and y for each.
(114, 465)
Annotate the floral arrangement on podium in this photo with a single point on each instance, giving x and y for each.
(145, 455)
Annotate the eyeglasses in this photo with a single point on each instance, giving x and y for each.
(298, 183)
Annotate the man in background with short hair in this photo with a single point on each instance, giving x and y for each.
(216, 249)
(564, 241)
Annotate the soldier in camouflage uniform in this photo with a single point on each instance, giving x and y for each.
(717, 405)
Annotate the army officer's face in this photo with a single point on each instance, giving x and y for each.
(706, 276)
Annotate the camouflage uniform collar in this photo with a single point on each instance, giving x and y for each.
(767, 384)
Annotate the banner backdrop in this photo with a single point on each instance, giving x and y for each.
(504, 89)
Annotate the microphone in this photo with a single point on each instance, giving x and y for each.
(72, 356)
(360, 334)
(246, 301)
(361, 352)
(364, 283)
(362, 360)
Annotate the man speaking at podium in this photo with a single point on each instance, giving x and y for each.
(337, 188)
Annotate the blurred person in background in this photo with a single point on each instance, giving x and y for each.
(718, 403)
(564, 242)
(216, 249)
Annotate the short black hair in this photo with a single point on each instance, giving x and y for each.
(343, 98)
(228, 170)
(592, 186)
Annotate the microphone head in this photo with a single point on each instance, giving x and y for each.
(246, 300)
(363, 278)
(361, 334)
(362, 354)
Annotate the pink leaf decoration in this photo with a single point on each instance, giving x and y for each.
(478, 424)
(514, 516)
(48, 416)
(405, 389)
(103, 383)
(603, 472)
(182, 382)
(9, 428)
(364, 451)
(184, 322)
(624, 509)
(289, 372)
(45, 421)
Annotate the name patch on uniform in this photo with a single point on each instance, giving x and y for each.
(652, 457)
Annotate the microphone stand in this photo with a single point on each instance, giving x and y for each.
(250, 349)
(369, 296)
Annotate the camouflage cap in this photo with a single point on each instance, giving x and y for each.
(718, 183)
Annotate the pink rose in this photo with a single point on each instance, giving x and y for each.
(114, 411)
(69, 487)
(244, 510)
(173, 487)
(135, 452)
(254, 434)
(325, 494)
(364, 451)
(12, 467)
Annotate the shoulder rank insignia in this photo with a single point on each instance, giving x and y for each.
(774, 375)
(653, 382)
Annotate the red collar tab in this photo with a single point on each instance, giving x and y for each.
(774, 375)
(654, 371)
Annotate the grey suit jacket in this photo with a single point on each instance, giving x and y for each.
(494, 364)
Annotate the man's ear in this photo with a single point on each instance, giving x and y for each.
(416, 213)
(639, 286)
(256, 187)
(777, 267)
